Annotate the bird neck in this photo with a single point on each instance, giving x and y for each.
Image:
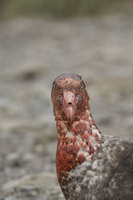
(77, 142)
(83, 124)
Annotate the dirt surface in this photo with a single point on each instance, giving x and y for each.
(32, 53)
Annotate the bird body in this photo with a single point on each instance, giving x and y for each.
(90, 166)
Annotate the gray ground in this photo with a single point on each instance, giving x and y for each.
(32, 53)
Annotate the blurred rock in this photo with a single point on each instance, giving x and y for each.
(14, 160)
(34, 185)
(29, 190)
(31, 74)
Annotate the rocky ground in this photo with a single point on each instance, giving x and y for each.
(32, 53)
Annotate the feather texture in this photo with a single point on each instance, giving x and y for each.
(90, 166)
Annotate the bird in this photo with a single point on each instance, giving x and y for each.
(89, 165)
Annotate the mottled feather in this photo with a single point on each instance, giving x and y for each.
(90, 166)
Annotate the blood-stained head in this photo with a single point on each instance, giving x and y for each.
(69, 96)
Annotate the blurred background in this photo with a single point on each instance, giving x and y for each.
(38, 41)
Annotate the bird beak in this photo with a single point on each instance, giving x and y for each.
(69, 105)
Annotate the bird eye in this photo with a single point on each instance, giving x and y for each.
(79, 97)
(54, 85)
(58, 97)
(82, 86)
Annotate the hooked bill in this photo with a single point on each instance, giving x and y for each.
(69, 112)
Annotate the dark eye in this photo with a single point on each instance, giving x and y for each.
(79, 97)
(82, 86)
(54, 85)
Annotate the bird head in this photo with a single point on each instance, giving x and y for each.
(69, 97)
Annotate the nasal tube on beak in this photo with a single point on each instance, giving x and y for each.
(69, 105)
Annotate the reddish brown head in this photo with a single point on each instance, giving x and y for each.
(69, 97)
